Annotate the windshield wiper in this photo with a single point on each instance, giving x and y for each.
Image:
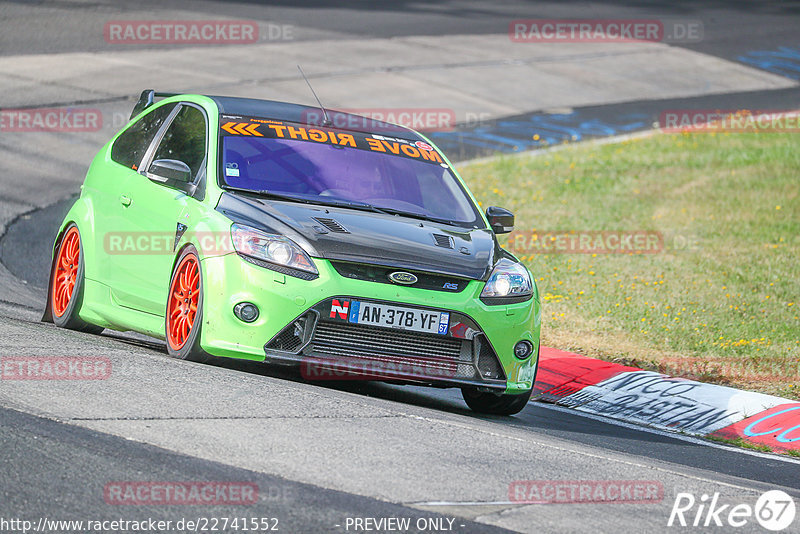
(266, 193)
(413, 215)
(351, 204)
(338, 204)
(291, 198)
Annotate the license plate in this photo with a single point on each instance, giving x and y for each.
(400, 317)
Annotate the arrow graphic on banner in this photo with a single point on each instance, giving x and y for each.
(241, 128)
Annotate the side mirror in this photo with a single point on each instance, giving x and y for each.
(500, 219)
(170, 170)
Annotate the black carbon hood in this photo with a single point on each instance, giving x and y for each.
(344, 234)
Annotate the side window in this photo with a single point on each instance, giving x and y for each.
(130, 146)
(185, 139)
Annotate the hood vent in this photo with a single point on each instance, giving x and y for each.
(444, 241)
(332, 225)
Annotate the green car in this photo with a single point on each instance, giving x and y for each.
(283, 233)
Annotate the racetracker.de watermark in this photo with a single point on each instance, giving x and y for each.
(586, 491)
(729, 121)
(181, 493)
(54, 368)
(365, 119)
(196, 32)
(518, 242)
(158, 243)
(605, 30)
(586, 242)
(761, 369)
(345, 368)
(51, 120)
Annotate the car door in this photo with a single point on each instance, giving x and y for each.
(159, 203)
(109, 193)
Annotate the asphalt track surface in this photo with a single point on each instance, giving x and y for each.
(730, 27)
(511, 134)
(333, 451)
(86, 461)
(542, 419)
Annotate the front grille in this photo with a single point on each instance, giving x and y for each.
(401, 353)
(377, 353)
(381, 341)
(380, 274)
(407, 354)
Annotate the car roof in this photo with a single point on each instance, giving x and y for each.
(285, 111)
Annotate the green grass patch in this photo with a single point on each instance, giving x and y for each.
(720, 302)
(740, 442)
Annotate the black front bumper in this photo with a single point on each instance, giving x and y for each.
(330, 348)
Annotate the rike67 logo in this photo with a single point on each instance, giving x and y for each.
(774, 510)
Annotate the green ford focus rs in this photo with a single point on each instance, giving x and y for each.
(283, 233)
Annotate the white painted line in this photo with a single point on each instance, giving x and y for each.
(474, 503)
(598, 456)
(681, 437)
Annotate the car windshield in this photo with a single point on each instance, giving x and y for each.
(330, 166)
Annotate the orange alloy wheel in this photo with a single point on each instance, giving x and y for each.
(65, 274)
(184, 296)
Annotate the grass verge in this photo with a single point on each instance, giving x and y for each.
(740, 442)
(718, 301)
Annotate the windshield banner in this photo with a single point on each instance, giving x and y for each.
(236, 125)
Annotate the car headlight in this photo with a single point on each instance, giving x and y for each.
(272, 248)
(508, 280)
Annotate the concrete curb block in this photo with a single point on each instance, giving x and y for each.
(665, 402)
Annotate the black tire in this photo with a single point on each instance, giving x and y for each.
(190, 350)
(70, 319)
(493, 404)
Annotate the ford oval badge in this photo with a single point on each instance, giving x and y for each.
(402, 277)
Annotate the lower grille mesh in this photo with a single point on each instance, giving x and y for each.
(287, 341)
(408, 353)
(383, 341)
(488, 366)
(291, 338)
